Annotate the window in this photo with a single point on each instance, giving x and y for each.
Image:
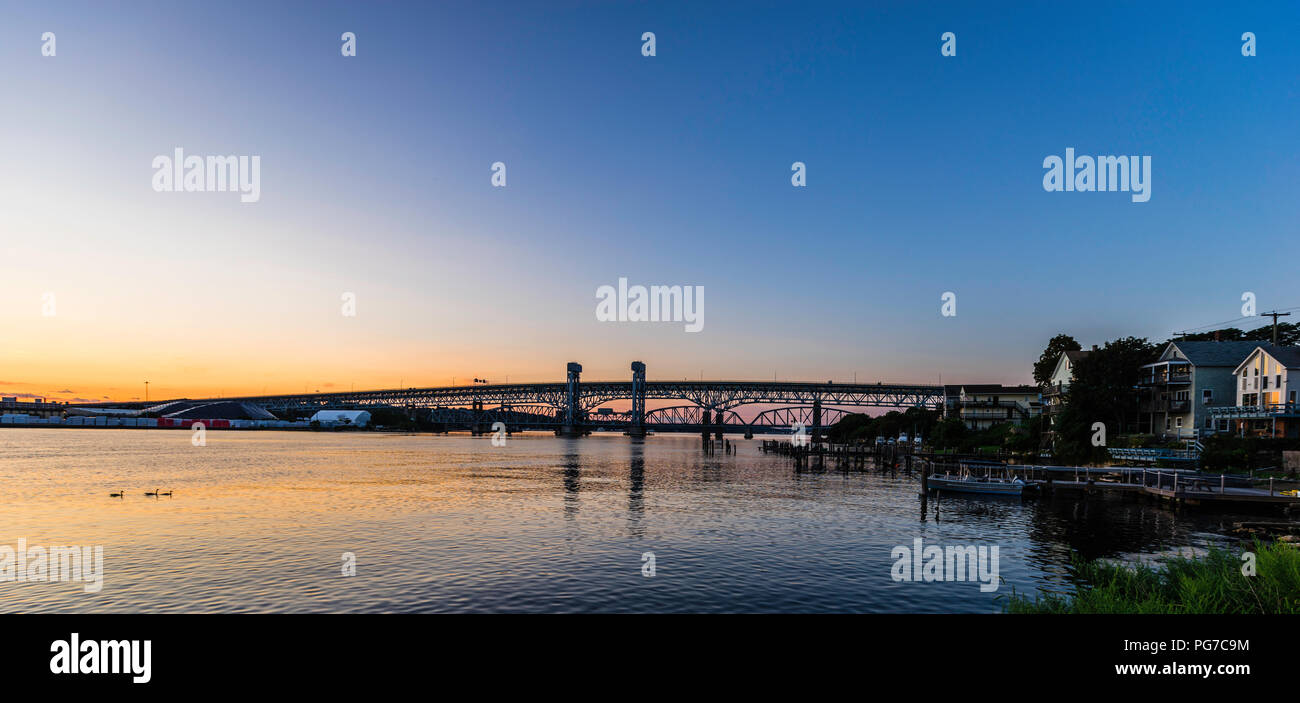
(1207, 396)
(1166, 423)
(1277, 380)
(1179, 421)
(1266, 382)
(1290, 397)
(1209, 423)
(1243, 382)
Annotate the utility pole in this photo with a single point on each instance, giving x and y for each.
(146, 391)
(1275, 314)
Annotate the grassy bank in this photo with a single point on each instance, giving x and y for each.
(1210, 584)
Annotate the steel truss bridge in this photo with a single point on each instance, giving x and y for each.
(574, 407)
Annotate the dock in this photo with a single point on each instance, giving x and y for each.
(1176, 486)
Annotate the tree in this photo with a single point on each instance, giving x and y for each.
(950, 433)
(1288, 335)
(1046, 363)
(1104, 390)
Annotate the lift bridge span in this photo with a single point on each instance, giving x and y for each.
(573, 407)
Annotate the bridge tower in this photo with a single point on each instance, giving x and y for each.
(706, 418)
(476, 424)
(637, 426)
(572, 391)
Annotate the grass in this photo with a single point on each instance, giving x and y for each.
(1211, 584)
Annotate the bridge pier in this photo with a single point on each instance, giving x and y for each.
(637, 426)
(705, 420)
(719, 420)
(817, 420)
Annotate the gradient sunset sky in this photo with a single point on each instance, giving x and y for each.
(924, 176)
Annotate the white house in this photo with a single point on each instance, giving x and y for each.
(1267, 385)
(338, 418)
(1057, 385)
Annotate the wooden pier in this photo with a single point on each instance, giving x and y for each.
(1176, 486)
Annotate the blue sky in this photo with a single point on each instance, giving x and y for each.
(924, 176)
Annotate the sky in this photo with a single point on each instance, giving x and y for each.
(924, 175)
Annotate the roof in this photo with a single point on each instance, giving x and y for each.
(986, 388)
(352, 416)
(1072, 356)
(1214, 353)
(218, 410)
(1289, 357)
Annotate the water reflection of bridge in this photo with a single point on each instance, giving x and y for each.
(576, 407)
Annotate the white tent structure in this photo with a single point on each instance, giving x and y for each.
(334, 418)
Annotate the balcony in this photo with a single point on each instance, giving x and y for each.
(1261, 411)
(1165, 406)
(1172, 378)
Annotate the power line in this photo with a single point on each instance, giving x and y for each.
(1280, 312)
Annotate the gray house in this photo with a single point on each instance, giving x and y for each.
(1186, 380)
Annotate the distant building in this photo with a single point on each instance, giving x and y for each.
(338, 418)
(1185, 382)
(981, 406)
(209, 410)
(11, 405)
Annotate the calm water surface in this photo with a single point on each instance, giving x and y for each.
(259, 522)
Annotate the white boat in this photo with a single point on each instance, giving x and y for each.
(973, 484)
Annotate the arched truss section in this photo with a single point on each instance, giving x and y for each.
(688, 415)
(797, 415)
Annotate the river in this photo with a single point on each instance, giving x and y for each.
(265, 521)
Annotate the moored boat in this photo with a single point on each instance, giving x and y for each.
(972, 484)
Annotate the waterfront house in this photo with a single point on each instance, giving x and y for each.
(981, 406)
(1062, 376)
(1187, 380)
(1267, 383)
(1056, 387)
